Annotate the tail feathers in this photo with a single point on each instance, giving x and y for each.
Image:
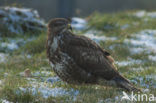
(124, 83)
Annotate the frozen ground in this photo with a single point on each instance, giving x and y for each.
(5, 101)
(98, 39)
(78, 23)
(21, 20)
(12, 44)
(43, 81)
(143, 13)
(145, 39)
(46, 90)
(3, 57)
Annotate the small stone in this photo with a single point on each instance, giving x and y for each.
(27, 73)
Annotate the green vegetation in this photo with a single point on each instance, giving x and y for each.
(122, 25)
(36, 46)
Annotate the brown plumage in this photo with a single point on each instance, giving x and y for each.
(78, 59)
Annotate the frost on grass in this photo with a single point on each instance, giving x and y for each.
(116, 99)
(13, 44)
(152, 57)
(46, 89)
(143, 13)
(143, 41)
(43, 82)
(97, 39)
(78, 23)
(5, 101)
(137, 50)
(125, 26)
(3, 57)
(130, 61)
(53, 79)
(10, 46)
(138, 69)
(142, 81)
(94, 35)
(42, 73)
(20, 20)
(51, 92)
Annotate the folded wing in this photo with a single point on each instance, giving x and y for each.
(89, 56)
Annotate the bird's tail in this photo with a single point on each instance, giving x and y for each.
(125, 83)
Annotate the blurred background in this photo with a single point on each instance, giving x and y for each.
(67, 8)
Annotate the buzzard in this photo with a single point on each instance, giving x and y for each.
(78, 59)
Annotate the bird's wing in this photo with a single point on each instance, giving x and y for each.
(89, 56)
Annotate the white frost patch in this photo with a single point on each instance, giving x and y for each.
(97, 39)
(123, 63)
(145, 39)
(10, 46)
(44, 85)
(53, 79)
(125, 26)
(37, 74)
(141, 81)
(14, 43)
(18, 20)
(28, 56)
(151, 57)
(141, 14)
(42, 73)
(3, 57)
(47, 92)
(152, 14)
(6, 74)
(139, 69)
(130, 61)
(78, 23)
(137, 50)
(151, 77)
(5, 101)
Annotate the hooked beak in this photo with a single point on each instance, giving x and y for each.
(69, 27)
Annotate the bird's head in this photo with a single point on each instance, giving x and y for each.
(59, 25)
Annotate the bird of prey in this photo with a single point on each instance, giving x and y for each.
(78, 59)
